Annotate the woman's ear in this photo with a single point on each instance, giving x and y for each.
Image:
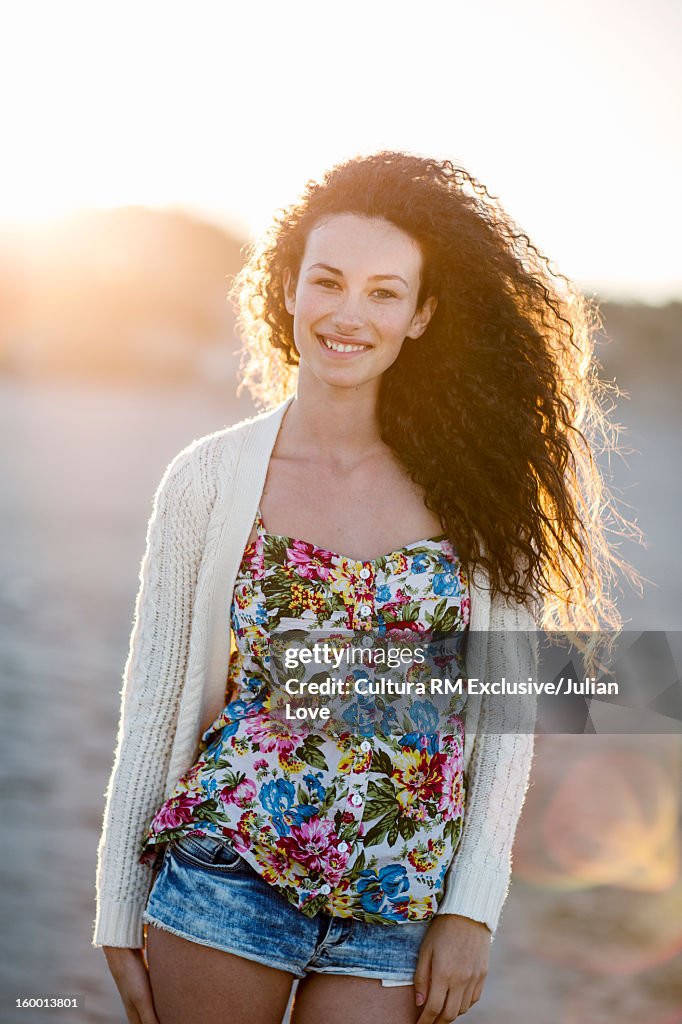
(289, 291)
(420, 320)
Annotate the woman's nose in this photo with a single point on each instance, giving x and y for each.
(348, 315)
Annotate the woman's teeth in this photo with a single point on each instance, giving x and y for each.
(336, 347)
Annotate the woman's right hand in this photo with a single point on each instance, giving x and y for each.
(129, 971)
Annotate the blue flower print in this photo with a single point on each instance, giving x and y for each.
(380, 893)
(420, 563)
(420, 741)
(315, 787)
(383, 594)
(393, 880)
(446, 584)
(238, 709)
(389, 719)
(424, 715)
(277, 797)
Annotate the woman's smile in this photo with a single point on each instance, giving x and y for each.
(354, 301)
(342, 347)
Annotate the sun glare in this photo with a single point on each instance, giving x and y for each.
(218, 112)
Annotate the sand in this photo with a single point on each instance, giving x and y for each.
(591, 931)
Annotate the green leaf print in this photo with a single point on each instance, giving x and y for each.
(438, 612)
(377, 832)
(407, 827)
(381, 762)
(329, 799)
(380, 808)
(447, 623)
(275, 548)
(358, 868)
(408, 612)
(308, 752)
(382, 789)
(315, 905)
(277, 591)
(453, 830)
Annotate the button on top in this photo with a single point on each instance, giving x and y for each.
(365, 610)
(326, 889)
(356, 799)
(365, 573)
(342, 847)
(365, 745)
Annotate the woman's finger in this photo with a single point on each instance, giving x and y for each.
(438, 993)
(478, 991)
(467, 998)
(422, 976)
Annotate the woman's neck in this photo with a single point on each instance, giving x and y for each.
(338, 424)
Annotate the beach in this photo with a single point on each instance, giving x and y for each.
(80, 463)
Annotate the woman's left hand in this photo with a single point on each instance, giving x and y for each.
(452, 966)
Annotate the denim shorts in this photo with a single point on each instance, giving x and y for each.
(206, 893)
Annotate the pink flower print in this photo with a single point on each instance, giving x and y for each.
(255, 562)
(405, 631)
(451, 802)
(176, 812)
(448, 550)
(336, 863)
(270, 734)
(241, 842)
(312, 562)
(310, 842)
(465, 609)
(240, 795)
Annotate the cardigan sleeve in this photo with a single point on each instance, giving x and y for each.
(152, 684)
(477, 880)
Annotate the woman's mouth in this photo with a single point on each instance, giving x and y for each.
(345, 348)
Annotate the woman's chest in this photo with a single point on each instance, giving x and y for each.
(363, 513)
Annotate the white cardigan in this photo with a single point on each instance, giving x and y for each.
(175, 675)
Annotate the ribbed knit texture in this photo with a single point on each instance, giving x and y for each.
(175, 673)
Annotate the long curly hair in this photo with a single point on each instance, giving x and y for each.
(498, 411)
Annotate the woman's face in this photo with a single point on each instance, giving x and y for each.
(355, 300)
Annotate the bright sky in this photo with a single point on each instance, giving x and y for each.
(568, 110)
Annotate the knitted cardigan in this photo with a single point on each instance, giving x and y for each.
(175, 673)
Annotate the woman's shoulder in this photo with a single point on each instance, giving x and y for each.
(498, 612)
(208, 459)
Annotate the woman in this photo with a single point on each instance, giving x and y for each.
(427, 473)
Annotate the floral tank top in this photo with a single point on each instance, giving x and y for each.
(363, 823)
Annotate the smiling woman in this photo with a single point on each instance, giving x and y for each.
(424, 375)
(349, 325)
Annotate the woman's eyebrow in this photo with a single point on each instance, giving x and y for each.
(374, 277)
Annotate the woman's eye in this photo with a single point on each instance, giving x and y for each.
(326, 282)
(384, 293)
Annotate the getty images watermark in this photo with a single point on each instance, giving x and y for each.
(395, 683)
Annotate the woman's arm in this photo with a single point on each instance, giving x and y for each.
(152, 684)
(497, 778)
(453, 958)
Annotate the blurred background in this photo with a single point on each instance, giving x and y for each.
(143, 145)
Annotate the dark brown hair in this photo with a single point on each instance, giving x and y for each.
(498, 410)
